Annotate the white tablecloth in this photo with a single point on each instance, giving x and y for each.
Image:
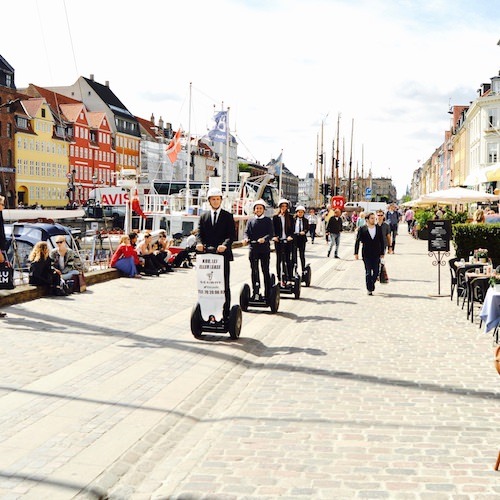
(490, 312)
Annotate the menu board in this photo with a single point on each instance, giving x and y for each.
(439, 235)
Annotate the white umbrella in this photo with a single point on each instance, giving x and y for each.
(418, 202)
(458, 195)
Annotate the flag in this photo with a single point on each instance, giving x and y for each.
(275, 165)
(219, 131)
(136, 206)
(174, 147)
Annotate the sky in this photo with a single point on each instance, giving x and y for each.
(289, 71)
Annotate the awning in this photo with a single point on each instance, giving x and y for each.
(475, 178)
(492, 173)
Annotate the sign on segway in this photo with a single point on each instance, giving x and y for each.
(210, 274)
(209, 314)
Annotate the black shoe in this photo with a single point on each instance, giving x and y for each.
(337, 257)
(328, 254)
(370, 293)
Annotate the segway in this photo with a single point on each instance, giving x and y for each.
(257, 299)
(306, 275)
(287, 285)
(208, 314)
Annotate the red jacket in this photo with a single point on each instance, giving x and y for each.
(124, 251)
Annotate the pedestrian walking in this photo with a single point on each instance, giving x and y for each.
(410, 219)
(313, 222)
(334, 227)
(386, 229)
(392, 218)
(370, 235)
(216, 229)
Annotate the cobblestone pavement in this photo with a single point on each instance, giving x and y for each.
(340, 395)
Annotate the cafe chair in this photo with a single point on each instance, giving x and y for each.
(453, 276)
(478, 287)
(462, 281)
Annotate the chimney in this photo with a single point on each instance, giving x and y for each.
(92, 76)
(106, 83)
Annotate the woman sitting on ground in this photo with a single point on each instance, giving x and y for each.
(63, 259)
(41, 271)
(125, 257)
(147, 252)
(162, 253)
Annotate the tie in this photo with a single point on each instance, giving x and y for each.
(215, 217)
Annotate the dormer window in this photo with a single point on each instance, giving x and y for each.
(495, 84)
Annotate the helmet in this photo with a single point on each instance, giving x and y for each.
(259, 202)
(214, 192)
(300, 207)
(283, 200)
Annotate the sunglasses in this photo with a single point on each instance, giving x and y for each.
(58, 242)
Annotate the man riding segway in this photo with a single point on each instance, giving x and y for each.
(259, 233)
(301, 228)
(216, 233)
(283, 224)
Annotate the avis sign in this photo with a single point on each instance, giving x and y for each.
(114, 199)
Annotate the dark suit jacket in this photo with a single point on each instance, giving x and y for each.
(305, 224)
(224, 232)
(289, 225)
(371, 247)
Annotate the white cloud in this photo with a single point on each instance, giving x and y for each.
(281, 66)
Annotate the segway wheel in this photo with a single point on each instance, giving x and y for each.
(245, 297)
(296, 287)
(235, 322)
(307, 275)
(274, 298)
(196, 321)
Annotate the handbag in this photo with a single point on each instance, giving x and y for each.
(6, 274)
(384, 278)
(80, 285)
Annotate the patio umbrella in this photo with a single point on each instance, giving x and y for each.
(458, 195)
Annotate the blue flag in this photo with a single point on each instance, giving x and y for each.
(219, 131)
(275, 166)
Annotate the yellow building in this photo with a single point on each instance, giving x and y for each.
(42, 158)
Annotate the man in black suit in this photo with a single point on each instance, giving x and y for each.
(216, 229)
(373, 249)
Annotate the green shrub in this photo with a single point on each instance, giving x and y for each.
(470, 237)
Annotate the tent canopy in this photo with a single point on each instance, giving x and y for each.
(458, 195)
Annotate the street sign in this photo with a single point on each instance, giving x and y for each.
(8, 170)
(368, 193)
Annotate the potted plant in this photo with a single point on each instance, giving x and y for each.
(482, 254)
(495, 282)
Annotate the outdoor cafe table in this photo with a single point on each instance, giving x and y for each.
(490, 312)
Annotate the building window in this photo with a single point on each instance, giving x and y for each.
(492, 153)
(493, 116)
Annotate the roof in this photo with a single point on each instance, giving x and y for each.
(109, 97)
(147, 125)
(95, 118)
(33, 105)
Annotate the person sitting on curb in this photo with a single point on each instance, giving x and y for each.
(63, 261)
(125, 257)
(41, 271)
